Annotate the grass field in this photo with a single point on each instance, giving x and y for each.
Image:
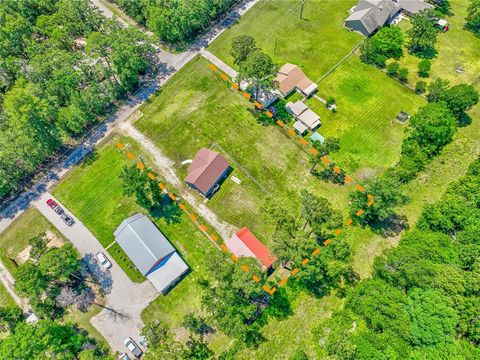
(5, 298)
(457, 49)
(198, 110)
(15, 238)
(368, 102)
(93, 192)
(316, 42)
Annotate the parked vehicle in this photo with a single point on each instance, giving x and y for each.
(133, 347)
(51, 203)
(58, 209)
(102, 259)
(67, 219)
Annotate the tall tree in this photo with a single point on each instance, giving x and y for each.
(422, 34)
(473, 17)
(436, 88)
(259, 71)
(242, 47)
(460, 98)
(136, 183)
(385, 44)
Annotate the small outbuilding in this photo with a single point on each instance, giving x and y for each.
(303, 114)
(151, 252)
(300, 127)
(244, 243)
(206, 171)
(317, 137)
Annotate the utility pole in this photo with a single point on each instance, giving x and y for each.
(301, 10)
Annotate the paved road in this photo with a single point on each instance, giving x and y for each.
(219, 63)
(125, 299)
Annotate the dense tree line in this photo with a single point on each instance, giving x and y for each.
(423, 299)
(175, 22)
(473, 17)
(62, 67)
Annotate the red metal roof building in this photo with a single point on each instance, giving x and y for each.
(244, 243)
(206, 171)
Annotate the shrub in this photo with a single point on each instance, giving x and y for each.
(403, 75)
(392, 68)
(424, 67)
(420, 87)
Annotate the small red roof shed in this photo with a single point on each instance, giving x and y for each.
(244, 243)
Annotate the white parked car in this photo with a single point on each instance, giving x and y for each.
(102, 259)
(133, 347)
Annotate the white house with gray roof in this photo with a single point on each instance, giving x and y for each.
(370, 15)
(151, 252)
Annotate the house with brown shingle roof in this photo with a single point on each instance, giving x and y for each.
(206, 171)
(290, 77)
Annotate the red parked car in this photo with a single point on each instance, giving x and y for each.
(51, 203)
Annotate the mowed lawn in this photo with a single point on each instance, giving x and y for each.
(458, 51)
(316, 42)
(196, 109)
(93, 192)
(368, 102)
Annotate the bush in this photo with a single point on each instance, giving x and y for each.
(424, 67)
(403, 75)
(392, 69)
(420, 87)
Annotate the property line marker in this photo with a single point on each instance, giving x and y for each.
(214, 237)
(325, 160)
(266, 288)
(303, 141)
(280, 123)
(338, 232)
(328, 241)
(120, 146)
(203, 227)
(224, 247)
(140, 166)
(316, 252)
(235, 85)
(314, 151)
(369, 196)
(305, 261)
(359, 188)
(192, 217)
(348, 179)
(171, 196)
(182, 207)
(272, 290)
(294, 271)
(359, 212)
(161, 186)
(234, 258)
(224, 77)
(130, 156)
(245, 268)
(283, 281)
(256, 278)
(212, 67)
(269, 114)
(348, 222)
(336, 170)
(246, 95)
(370, 203)
(291, 132)
(257, 104)
(151, 176)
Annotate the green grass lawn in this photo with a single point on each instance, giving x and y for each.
(368, 102)
(93, 192)
(15, 238)
(5, 298)
(316, 42)
(457, 48)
